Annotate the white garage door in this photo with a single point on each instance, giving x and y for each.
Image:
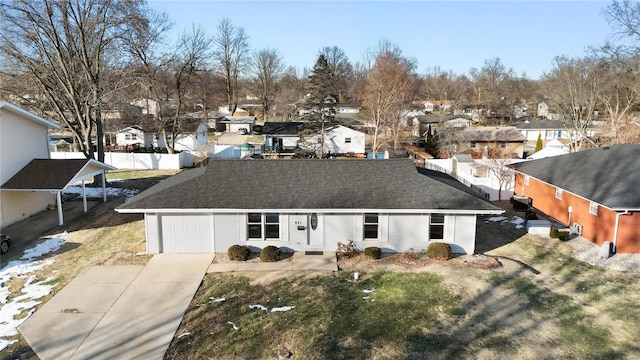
(187, 233)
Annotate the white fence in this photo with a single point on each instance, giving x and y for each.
(146, 161)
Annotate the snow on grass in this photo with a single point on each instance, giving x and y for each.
(282, 308)
(235, 327)
(96, 192)
(31, 292)
(496, 219)
(518, 221)
(261, 307)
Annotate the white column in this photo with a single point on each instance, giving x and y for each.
(84, 197)
(59, 200)
(104, 186)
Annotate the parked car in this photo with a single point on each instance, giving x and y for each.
(243, 131)
(419, 143)
(5, 242)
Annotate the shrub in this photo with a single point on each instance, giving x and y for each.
(238, 252)
(563, 235)
(554, 233)
(270, 254)
(373, 252)
(439, 251)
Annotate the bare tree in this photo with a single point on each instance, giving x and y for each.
(340, 71)
(575, 87)
(292, 89)
(168, 78)
(490, 88)
(390, 80)
(65, 46)
(231, 53)
(267, 70)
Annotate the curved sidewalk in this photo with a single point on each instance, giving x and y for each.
(118, 312)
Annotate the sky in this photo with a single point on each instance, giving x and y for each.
(454, 35)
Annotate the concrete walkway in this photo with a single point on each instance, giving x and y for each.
(118, 312)
(300, 261)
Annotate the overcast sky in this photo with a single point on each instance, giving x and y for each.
(454, 35)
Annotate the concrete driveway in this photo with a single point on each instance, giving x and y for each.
(118, 312)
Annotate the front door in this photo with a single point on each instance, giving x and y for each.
(299, 229)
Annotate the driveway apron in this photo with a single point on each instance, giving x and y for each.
(118, 312)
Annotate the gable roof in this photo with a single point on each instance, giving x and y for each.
(542, 124)
(488, 134)
(607, 175)
(282, 128)
(53, 174)
(29, 115)
(316, 185)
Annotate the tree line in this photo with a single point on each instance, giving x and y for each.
(77, 60)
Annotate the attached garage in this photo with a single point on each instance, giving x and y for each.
(185, 233)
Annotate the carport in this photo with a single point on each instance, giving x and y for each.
(55, 175)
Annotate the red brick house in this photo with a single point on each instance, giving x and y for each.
(597, 189)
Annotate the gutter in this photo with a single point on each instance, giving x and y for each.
(615, 229)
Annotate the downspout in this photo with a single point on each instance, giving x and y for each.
(615, 230)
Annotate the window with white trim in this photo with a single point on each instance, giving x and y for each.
(370, 226)
(558, 193)
(593, 208)
(436, 227)
(263, 226)
(526, 179)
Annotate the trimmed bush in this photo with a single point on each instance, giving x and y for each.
(439, 251)
(373, 253)
(270, 254)
(563, 235)
(554, 233)
(238, 252)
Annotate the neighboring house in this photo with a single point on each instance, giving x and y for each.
(192, 139)
(501, 141)
(148, 106)
(134, 135)
(552, 148)
(544, 111)
(347, 108)
(546, 129)
(595, 189)
(282, 136)
(307, 205)
(29, 179)
(433, 105)
(235, 123)
(338, 139)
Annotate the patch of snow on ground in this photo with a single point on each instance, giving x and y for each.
(235, 327)
(282, 308)
(496, 219)
(96, 192)
(261, 307)
(368, 291)
(32, 291)
(518, 221)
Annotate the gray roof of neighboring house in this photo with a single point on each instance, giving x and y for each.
(238, 120)
(48, 174)
(607, 175)
(543, 124)
(489, 134)
(282, 128)
(435, 119)
(306, 184)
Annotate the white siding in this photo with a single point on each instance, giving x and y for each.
(341, 228)
(229, 229)
(463, 240)
(153, 233)
(21, 140)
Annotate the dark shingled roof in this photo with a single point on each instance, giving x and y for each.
(488, 134)
(543, 124)
(45, 174)
(607, 175)
(282, 128)
(306, 184)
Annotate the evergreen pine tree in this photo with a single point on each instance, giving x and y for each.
(538, 144)
(431, 144)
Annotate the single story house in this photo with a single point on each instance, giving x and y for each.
(192, 138)
(282, 136)
(594, 191)
(552, 148)
(338, 139)
(501, 141)
(549, 130)
(308, 204)
(235, 123)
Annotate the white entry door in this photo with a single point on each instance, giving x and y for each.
(299, 229)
